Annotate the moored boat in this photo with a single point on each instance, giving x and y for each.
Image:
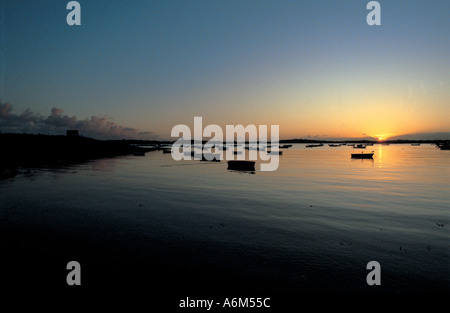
(241, 165)
(443, 146)
(312, 145)
(362, 155)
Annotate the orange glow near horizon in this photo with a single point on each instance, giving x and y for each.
(385, 136)
(378, 118)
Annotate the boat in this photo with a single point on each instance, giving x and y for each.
(443, 146)
(241, 165)
(312, 145)
(362, 155)
(359, 146)
(274, 152)
(285, 146)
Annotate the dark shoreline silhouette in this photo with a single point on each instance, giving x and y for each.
(27, 150)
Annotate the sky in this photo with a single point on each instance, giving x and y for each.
(138, 68)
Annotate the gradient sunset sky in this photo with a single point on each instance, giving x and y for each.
(313, 67)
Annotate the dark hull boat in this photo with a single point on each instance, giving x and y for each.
(362, 155)
(443, 146)
(274, 152)
(241, 165)
(313, 146)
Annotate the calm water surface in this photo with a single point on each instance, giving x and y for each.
(312, 225)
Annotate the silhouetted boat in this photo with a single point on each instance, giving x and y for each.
(443, 146)
(241, 165)
(274, 152)
(312, 146)
(362, 155)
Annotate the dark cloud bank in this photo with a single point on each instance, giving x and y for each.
(99, 127)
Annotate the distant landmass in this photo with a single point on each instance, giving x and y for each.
(423, 136)
(27, 150)
(416, 136)
(317, 138)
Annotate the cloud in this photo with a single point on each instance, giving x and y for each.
(99, 127)
(5, 110)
